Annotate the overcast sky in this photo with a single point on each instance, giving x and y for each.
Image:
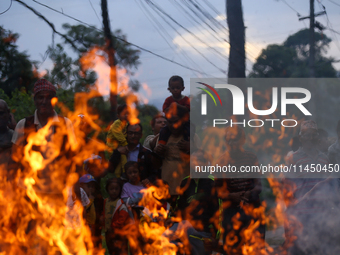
(267, 22)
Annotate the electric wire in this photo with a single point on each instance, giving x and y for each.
(187, 30)
(192, 46)
(159, 28)
(94, 10)
(135, 45)
(10, 5)
(329, 25)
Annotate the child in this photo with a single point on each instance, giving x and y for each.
(131, 189)
(93, 210)
(116, 137)
(115, 213)
(176, 86)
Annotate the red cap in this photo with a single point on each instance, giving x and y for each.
(43, 84)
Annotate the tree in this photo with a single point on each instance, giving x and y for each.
(146, 113)
(87, 37)
(16, 70)
(290, 59)
(68, 72)
(19, 102)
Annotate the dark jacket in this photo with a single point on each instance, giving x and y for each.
(146, 168)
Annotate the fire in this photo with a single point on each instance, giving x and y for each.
(35, 218)
(155, 209)
(95, 60)
(34, 208)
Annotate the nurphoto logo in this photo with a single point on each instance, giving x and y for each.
(238, 107)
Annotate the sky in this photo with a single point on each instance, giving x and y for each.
(184, 38)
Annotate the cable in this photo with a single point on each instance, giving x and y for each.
(161, 29)
(199, 52)
(7, 8)
(49, 23)
(329, 25)
(334, 2)
(298, 14)
(187, 30)
(94, 11)
(207, 15)
(211, 7)
(138, 47)
(191, 18)
(334, 31)
(209, 18)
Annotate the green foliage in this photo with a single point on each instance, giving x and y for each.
(146, 113)
(87, 37)
(68, 73)
(16, 70)
(20, 103)
(300, 42)
(17, 77)
(66, 97)
(291, 59)
(275, 61)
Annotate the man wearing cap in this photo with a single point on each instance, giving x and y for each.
(59, 137)
(44, 91)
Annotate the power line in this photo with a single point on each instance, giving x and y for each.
(298, 14)
(334, 31)
(206, 14)
(329, 25)
(138, 47)
(199, 52)
(334, 2)
(211, 7)
(192, 18)
(187, 30)
(10, 5)
(159, 28)
(94, 11)
(49, 23)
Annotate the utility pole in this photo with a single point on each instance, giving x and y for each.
(311, 40)
(312, 85)
(111, 56)
(311, 18)
(237, 55)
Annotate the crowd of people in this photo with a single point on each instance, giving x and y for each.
(216, 211)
